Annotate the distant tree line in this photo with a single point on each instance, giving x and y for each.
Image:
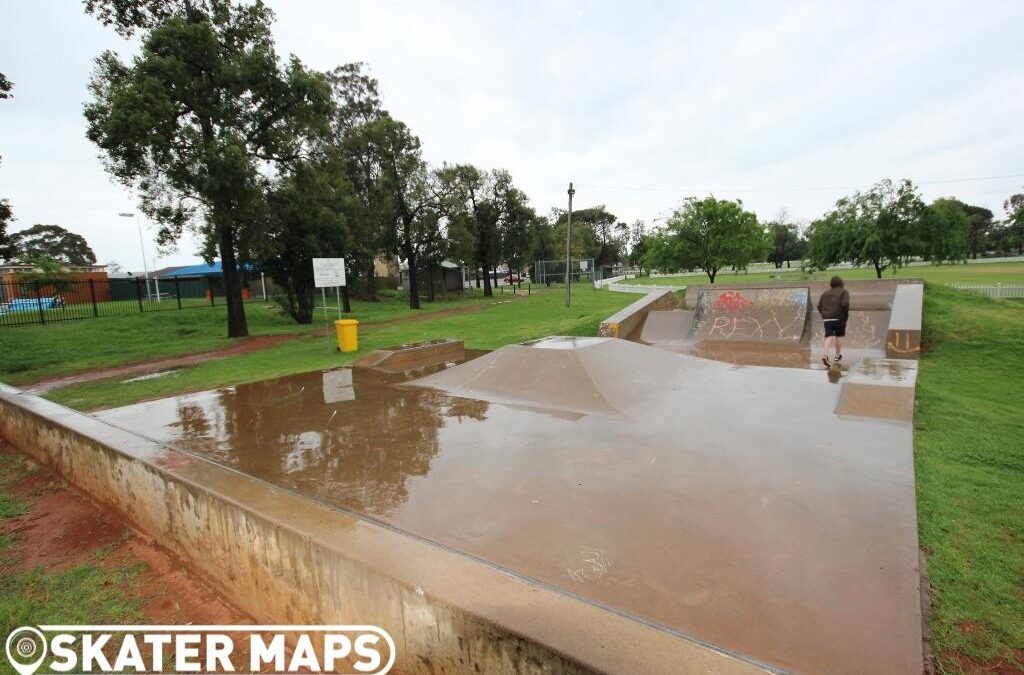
(885, 227)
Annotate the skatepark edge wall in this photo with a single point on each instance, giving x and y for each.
(625, 321)
(285, 558)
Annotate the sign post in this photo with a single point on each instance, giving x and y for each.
(328, 273)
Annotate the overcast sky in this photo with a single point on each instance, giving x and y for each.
(781, 104)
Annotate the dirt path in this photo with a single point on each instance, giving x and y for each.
(243, 346)
(63, 529)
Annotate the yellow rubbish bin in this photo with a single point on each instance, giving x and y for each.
(348, 334)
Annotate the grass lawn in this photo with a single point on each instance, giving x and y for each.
(31, 353)
(503, 321)
(970, 475)
(981, 273)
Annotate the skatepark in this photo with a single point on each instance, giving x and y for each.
(689, 492)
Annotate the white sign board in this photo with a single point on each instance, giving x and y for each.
(328, 272)
(584, 264)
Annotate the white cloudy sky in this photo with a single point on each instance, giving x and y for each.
(782, 104)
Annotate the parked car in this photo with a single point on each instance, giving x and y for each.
(513, 279)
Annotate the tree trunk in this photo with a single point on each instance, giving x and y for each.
(346, 305)
(711, 275)
(484, 266)
(237, 325)
(476, 278)
(495, 270)
(430, 281)
(414, 286)
(878, 269)
(371, 284)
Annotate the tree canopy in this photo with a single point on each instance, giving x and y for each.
(201, 117)
(1014, 207)
(41, 244)
(707, 234)
(880, 227)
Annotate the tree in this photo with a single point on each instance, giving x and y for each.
(881, 227)
(784, 237)
(6, 212)
(404, 191)
(306, 210)
(1014, 207)
(201, 119)
(980, 223)
(596, 234)
(637, 244)
(42, 243)
(945, 231)
(708, 234)
(478, 205)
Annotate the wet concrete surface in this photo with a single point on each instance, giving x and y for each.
(723, 502)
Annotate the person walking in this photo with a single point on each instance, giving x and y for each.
(834, 307)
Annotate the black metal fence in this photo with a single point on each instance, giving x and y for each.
(46, 300)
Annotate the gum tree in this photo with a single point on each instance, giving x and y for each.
(200, 120)
(6, 213)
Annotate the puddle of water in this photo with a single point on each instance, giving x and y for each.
(713, 499)
(151, 376)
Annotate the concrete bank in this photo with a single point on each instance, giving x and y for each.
(285, 558)
(625, 321)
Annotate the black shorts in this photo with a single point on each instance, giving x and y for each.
(835, 327)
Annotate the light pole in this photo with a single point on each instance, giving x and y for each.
(142, 248)
(568, 250)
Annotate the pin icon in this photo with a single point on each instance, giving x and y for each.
(23, 645)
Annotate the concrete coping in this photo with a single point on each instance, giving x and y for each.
(286, 558)
(625, 321)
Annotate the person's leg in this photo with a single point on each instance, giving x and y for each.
(839, 347)
(824, 354)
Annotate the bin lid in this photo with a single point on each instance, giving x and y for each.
(345, 322)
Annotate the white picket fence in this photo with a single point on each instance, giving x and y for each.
(994, 290)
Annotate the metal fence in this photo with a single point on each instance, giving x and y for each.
(51, 299)
(994, 290)
(553, 271)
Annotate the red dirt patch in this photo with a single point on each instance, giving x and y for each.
(997, 667)
(64, 528)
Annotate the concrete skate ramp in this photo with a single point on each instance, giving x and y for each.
(668, 328)
(728, 507)
(759, 315)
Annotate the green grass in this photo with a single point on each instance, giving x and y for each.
(501, 322)
(970, 474)
(31, 353)
(982, 273)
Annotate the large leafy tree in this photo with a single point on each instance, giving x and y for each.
(51, 243)
(201, 119)
(945, 231)
(784, 238)
(596, 233)
(402, 191)
(313, 208)
(1014, 207)
(980, 224)
(880, 227)
(707, 234)
(479, 205)
(6, 213)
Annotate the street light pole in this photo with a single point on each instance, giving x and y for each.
(142, 248)
(568, 250)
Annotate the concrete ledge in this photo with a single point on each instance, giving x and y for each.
(903, 340)
(625, 321)
(285, 558)
(413, 356)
